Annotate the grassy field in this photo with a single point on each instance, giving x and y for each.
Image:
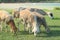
(54, 26)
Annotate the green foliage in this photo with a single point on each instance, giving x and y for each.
(57, 8)
(12, 1)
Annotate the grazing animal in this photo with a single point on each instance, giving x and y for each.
(8, 19)
(32, 20)
(27, 17)
(27, 20)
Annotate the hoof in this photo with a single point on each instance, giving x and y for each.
(35, 34)
(48, 31)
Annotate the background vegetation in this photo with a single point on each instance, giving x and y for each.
(19, 1)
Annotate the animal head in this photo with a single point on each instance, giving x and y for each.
(15, 14)
(50, 14)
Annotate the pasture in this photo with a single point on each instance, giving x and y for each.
(54, 25)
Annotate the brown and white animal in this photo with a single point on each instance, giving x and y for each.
(40, 11)
(8, 19)
(31, 19)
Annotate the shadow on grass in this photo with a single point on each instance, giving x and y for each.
(53, 33)
(54, 26)
(56, 19)
(23, 33)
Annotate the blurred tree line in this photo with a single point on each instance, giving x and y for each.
(17, 1)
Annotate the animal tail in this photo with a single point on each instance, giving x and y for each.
(37, 14)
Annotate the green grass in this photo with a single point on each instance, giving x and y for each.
(54, 25)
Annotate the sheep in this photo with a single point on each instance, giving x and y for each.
(8, 19)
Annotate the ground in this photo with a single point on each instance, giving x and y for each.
(54, 25)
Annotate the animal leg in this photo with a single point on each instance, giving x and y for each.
(45, 25)
(12, 25)
(35, 26)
